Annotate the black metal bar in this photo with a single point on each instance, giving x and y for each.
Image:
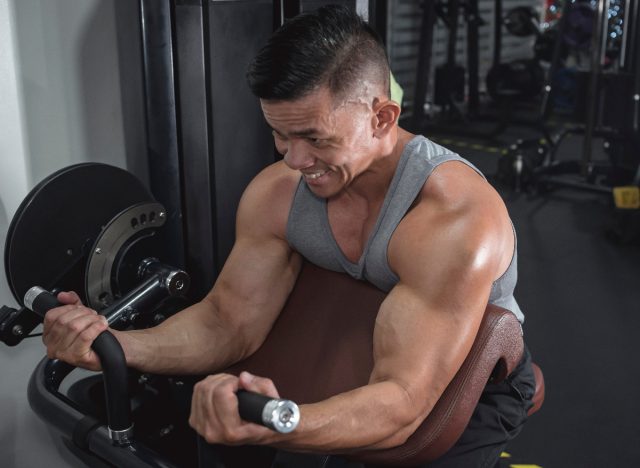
(242, 143)
(627, 31)
(378, 12)
(424, 62)
(634, 66)
(497, 34)
(575, 184)
(593, 94)
(162, 132)
(193, 121)
(453, 13)
(290, 8)
(547, 97)
(112, 360)
(62, 414)
(473, 41)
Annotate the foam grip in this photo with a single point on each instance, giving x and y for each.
(251, 405)
(276, 414)
(40, 301)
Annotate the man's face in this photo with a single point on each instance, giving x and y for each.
(329, 144)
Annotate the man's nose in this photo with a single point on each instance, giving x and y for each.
(297, 156)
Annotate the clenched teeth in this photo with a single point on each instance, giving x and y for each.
(314, 175)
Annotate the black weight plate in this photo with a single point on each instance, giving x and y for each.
(59, 220)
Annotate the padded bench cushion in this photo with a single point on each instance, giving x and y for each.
(322, 345)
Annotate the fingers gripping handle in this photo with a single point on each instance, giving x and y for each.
(113, 363)
(280, 415)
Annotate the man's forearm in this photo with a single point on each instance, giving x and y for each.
(190, 342)
(375, 416)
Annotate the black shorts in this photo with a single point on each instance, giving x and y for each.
(498, 418)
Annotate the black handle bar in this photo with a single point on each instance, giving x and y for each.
(113, 363)
(277, 414)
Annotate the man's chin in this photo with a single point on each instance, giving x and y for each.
(323, 191)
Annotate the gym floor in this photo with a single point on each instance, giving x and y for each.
(578, 288)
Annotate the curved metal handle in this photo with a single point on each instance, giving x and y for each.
(113, 363)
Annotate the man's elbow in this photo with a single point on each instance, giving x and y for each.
(396, 440)
(399, 435)
(410, 412)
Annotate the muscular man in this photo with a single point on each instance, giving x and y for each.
(354, 193)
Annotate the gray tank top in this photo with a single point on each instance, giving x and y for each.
(309, 232)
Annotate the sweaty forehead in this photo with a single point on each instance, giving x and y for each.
(317, 110)
(312, 111)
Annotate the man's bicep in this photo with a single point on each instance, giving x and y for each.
(428, 322)
(261, 269)
(253, 286)
(425, 329)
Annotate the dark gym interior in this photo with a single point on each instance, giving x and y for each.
(542, 96)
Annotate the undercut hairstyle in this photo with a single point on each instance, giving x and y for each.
(331, 46)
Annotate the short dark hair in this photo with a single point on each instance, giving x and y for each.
(331, 46)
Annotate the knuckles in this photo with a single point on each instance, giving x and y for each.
(221, 392)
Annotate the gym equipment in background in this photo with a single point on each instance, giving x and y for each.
(611, 101)
(518, 80)
(452, 82)
(96, 229)
(508, 84)
(100, 253)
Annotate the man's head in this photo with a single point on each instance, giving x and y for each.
(323, 84)
(330, 47)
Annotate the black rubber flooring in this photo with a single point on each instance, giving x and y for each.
(580, 292)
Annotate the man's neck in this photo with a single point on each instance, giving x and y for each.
(373, 184)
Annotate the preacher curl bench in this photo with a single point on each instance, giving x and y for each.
(320, 345)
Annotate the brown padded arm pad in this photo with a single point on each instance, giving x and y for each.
(322, 343)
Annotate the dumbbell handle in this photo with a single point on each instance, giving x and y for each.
(279, 415)
(113, 363)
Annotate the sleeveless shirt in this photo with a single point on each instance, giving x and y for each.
(309, 233)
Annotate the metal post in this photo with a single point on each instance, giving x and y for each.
(195, 145)
(497, 34)
(424, 63)
(473, 41)
(547, 97)
(162, 133)
(598, 42)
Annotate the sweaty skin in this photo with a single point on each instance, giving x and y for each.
(447, 251)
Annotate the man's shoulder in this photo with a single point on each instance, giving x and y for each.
(455, 188)
(267, 199)
(276, 180)
(457, 212)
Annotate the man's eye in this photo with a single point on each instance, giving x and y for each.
(316, 141)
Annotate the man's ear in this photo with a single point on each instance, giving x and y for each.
(386, 114)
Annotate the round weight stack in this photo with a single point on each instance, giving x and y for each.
(54, 229)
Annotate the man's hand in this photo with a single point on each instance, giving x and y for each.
(214, 409)
(69, 331)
